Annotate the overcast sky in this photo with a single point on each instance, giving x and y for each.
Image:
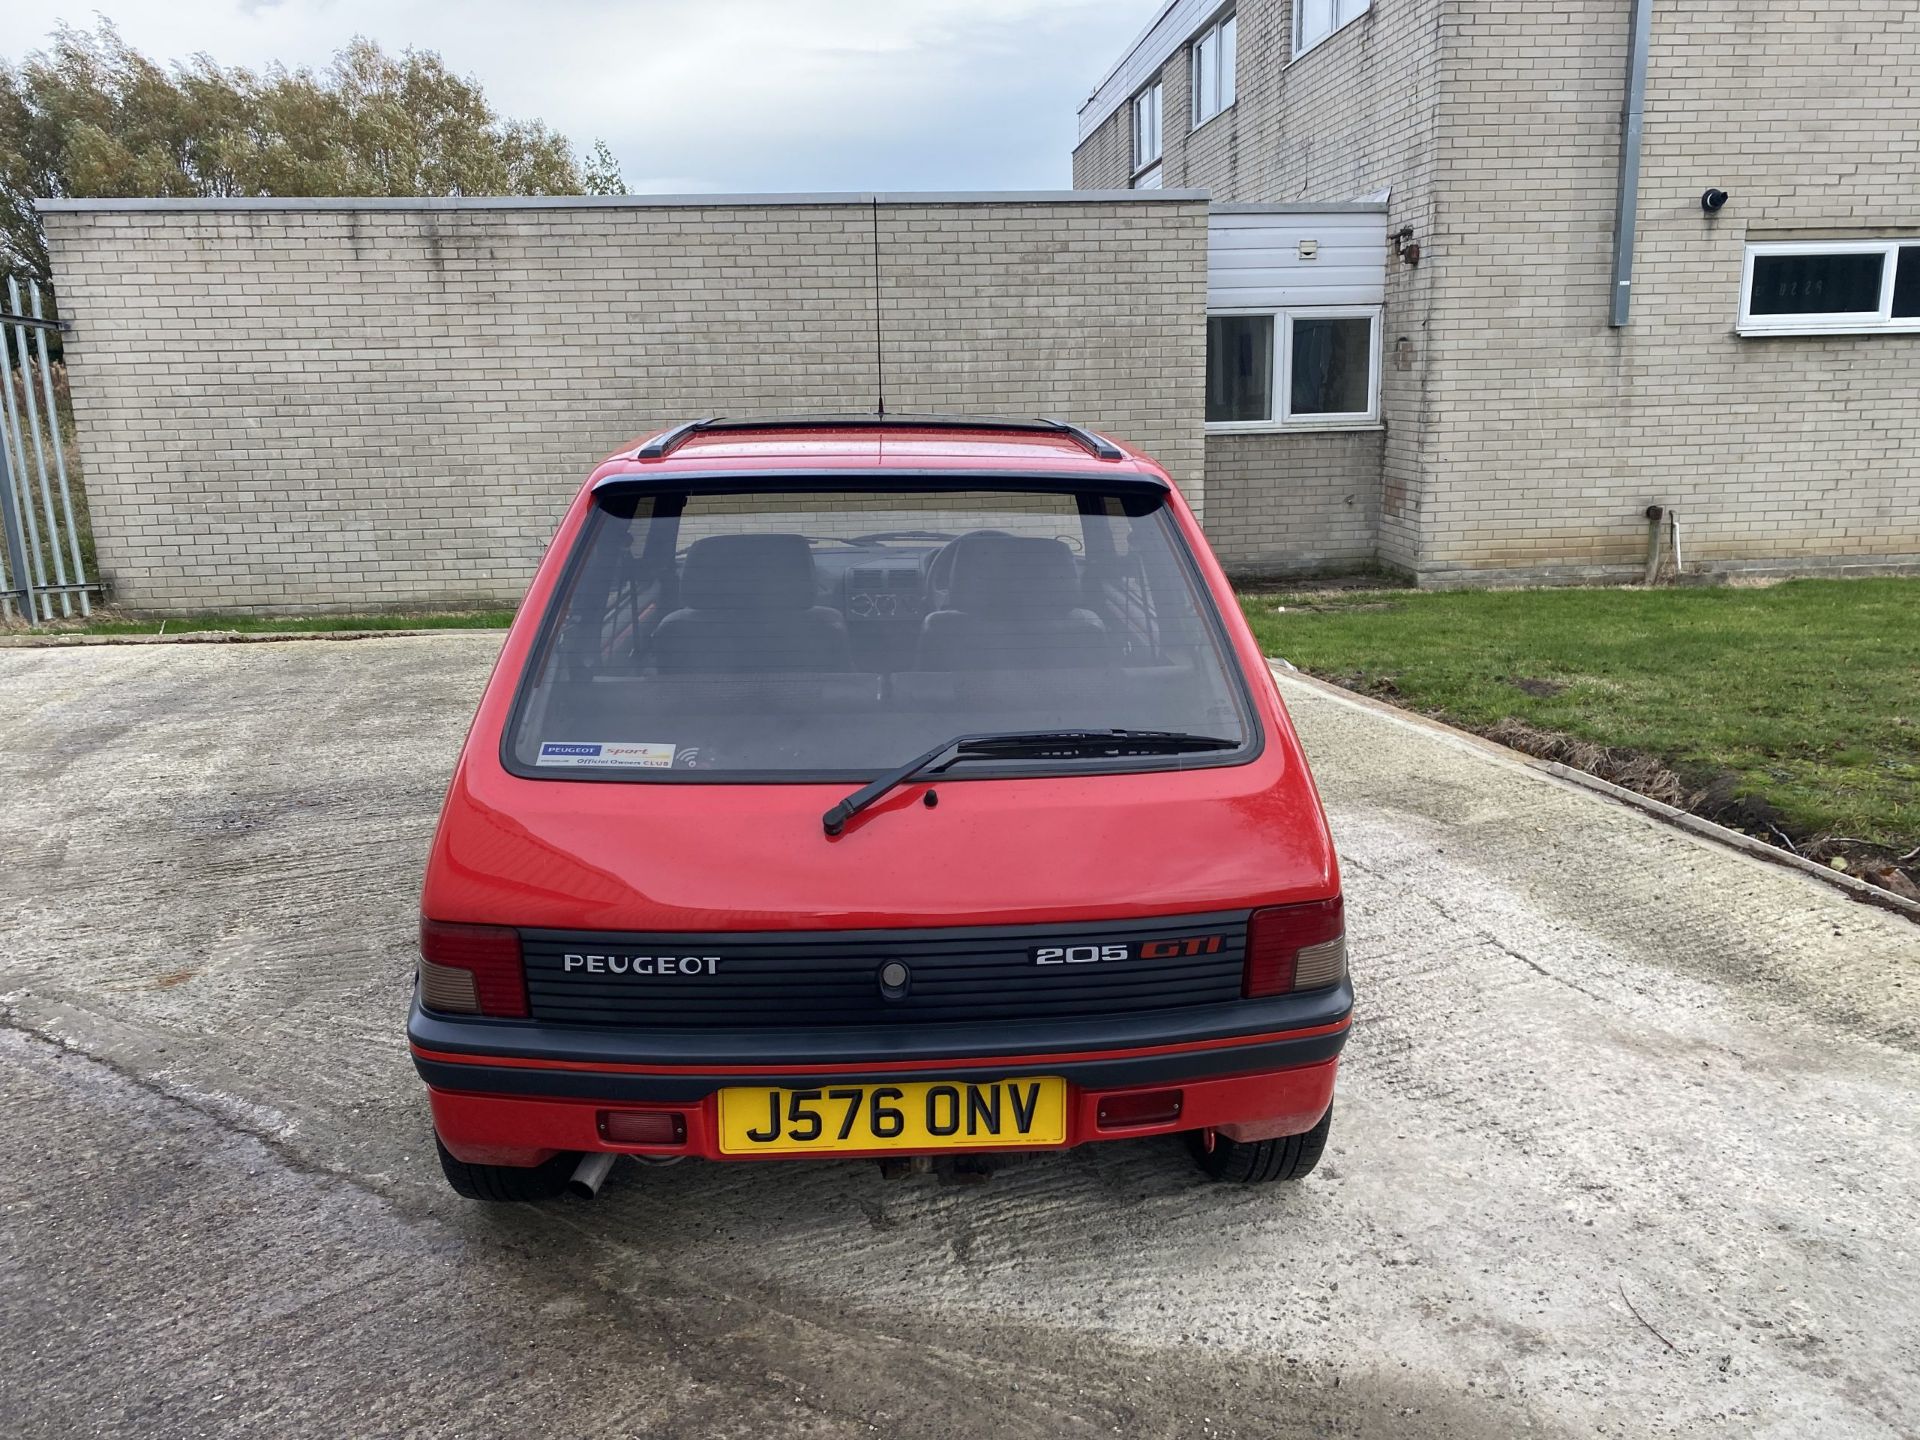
(710, 95)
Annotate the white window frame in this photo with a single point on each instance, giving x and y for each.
(1833, 322)
(1283, 420)
(1226, 81)
(1345, 12)
(1147, 109)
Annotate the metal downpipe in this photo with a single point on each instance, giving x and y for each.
(1626, 205)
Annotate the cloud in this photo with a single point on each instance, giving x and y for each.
(707, 95)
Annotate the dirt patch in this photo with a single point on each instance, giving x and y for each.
(1630, 769)
(1330, 605)
(1309, 586)
(1543, 688)
(1876, 864)
(1720, 803)
(1380, 687)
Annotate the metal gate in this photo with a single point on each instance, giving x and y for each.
(45, 571)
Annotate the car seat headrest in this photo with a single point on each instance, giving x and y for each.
(748, 572)
(1013, 574)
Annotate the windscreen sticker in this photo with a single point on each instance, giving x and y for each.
(643, 754)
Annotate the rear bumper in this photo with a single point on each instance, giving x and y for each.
(515, 1094)
(526, 1130)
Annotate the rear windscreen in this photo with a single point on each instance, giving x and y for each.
(834, 635)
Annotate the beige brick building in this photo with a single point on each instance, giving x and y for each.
(1766, 381)
(1389, 339)
(350, 403)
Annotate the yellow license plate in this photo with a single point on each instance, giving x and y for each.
(915, 1115)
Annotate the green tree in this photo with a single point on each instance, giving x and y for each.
(91, 116)
(603, 175)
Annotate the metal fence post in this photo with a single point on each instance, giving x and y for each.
(32, 579)
(60, 454)
(39, 450)
(17, 591)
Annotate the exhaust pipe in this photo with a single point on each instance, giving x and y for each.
(591, 1173)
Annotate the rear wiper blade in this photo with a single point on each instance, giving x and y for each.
(1005, 744)
(1084, 742)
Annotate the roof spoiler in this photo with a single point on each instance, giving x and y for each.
(667, 441)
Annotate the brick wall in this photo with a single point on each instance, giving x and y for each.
(1281, 505)
(1524, 435)
(1355, 115)
(1550, 431)
(299, 408)
(1102, 160)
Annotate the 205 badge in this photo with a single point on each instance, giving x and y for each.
(1185, 946)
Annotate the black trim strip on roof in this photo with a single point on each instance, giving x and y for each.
(667, 441)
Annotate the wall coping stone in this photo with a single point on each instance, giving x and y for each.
(625, 202)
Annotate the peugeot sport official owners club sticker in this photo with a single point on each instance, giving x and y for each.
(644, 754)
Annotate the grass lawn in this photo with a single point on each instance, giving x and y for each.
(273, 624)
(1800, 701)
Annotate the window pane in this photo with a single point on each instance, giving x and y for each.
(1906, 284)
(1816, 284)
(1226, 61)
(1316, 20)
(1146, 127)
(1205, 66)
(1239, 367)
(1330, 365)
(1148, 179)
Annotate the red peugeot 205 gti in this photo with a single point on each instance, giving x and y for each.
(887, 787)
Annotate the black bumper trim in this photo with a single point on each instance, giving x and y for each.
(694, 1084)
(802, 1046)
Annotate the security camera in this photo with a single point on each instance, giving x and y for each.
(1712, 200)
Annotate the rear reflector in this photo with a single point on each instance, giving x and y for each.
(643, 1127)
(487, 975)
(1142, 1107)
(1295, 947)
(444, 988)
(1318, 966)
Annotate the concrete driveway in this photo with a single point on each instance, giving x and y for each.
(1602, 1067)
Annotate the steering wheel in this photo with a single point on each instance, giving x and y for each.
(940, 571)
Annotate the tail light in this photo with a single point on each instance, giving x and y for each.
(1295, 947)
(472, 970)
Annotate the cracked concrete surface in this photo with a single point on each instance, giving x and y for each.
(1601, 1067)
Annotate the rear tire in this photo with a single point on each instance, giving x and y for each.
(1253, 1162)
(507, 1182)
